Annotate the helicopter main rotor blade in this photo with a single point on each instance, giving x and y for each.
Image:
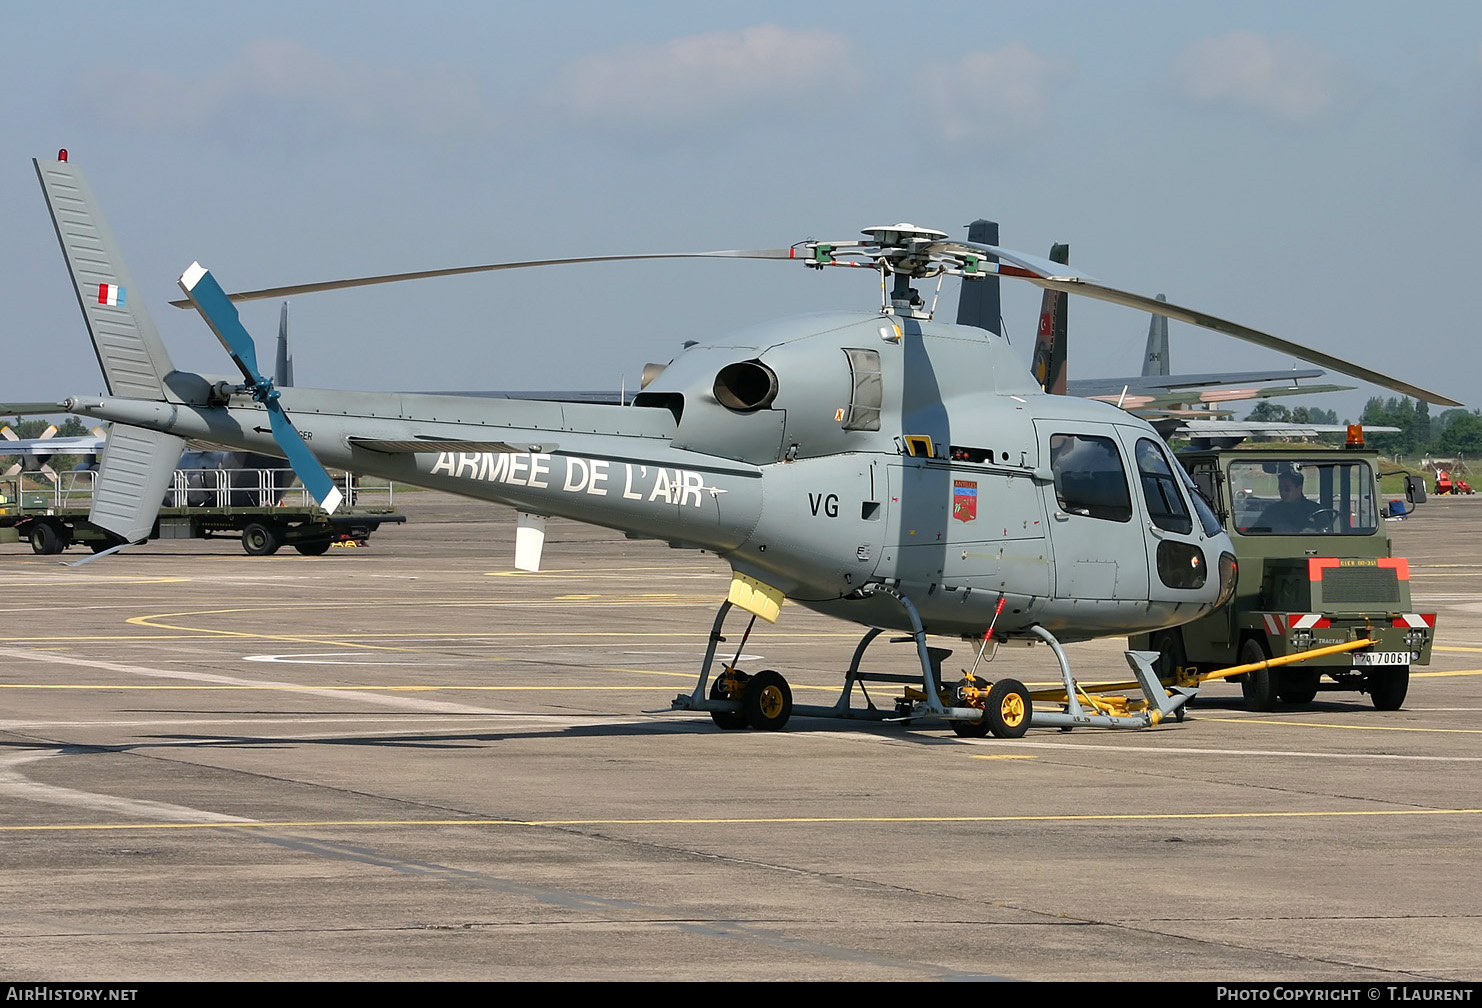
(329, 285)
(1103, 293)
(1053, 276)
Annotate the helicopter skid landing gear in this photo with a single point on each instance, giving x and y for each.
(737, 699)
(1080, 709)
(975, 708)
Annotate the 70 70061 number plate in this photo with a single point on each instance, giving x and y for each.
(1382, 658)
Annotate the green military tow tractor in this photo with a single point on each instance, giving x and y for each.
(1315, 569)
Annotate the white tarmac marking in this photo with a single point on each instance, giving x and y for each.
(442, 721)
(374, 699)
(15, 786)
(342, 657)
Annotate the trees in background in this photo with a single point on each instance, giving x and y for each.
(1455, 432)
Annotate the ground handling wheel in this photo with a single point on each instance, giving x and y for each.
(1008, 709)
(729, 685)
(970, 692)
(767, 702)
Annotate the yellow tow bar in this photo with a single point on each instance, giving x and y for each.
(1286, 659)
(1058, 695)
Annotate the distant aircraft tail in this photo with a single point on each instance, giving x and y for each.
(1155, 358)
(1049, 344)
(283, 362)
(137, 464)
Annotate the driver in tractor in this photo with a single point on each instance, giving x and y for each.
(1292, 512)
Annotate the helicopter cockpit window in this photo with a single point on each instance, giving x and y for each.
(1160, 487)
(1089, 477)
(865, 390)
(1202, 483)
(1303, 498)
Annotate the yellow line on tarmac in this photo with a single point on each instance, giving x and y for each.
(548, 572)
(759, 821)
(1348, 727)
(687, 635)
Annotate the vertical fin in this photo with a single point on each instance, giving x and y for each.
(1155, 358)
(1049, 343)
(978, 301)
(129, 350)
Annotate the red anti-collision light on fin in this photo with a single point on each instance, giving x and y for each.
(62, 154)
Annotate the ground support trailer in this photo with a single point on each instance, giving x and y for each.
(246, 504)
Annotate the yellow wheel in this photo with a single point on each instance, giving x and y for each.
(1008, 709)
(768, 701)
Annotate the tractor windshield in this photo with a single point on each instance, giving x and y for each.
(1303, 497)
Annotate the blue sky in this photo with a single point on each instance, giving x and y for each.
(1309, 169)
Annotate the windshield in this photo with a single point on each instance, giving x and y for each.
(1303, 497)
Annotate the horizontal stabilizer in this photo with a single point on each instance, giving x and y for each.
(31, 409)
(83, 444)
(1273, 428)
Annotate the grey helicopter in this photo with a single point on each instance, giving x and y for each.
(880, 466)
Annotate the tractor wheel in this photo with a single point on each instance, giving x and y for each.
(1171, 655)
(1388, 685)
(1259, 686)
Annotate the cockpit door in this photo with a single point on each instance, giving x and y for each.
(1096, 529)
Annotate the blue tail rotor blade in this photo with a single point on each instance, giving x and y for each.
(221, 315)
(308, 468)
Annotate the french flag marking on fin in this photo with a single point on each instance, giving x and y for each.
(111, 294)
